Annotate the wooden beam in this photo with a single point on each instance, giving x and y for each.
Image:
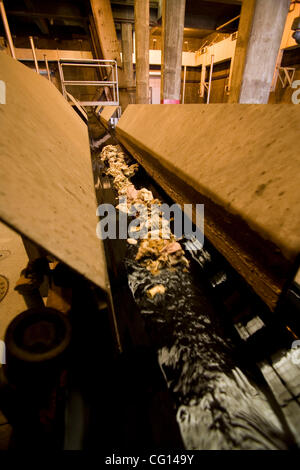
(106, 30)
(96, 48)
(260, 33)
(127, 49)
(52, 54)
(141, 18)
(244, 32)
(173, 12)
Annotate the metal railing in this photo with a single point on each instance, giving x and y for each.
(109, 86)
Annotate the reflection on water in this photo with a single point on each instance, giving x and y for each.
(217, 406)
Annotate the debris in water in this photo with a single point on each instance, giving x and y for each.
(131, 241)
(158, 289)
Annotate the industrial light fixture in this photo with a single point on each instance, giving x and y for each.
(296, 28)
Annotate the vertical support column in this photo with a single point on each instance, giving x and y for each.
(202, 80)
(127, 49)
(173, 12)
(183, 87)
(34, 54)
(260, 32)
(244, 32)
(62, 80)
(7, 30)
(127, 53)
(47, 67)
(212, 59)
(141, 19)
(228, 87)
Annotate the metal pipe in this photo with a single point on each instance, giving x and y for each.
(184, 77)
(62, 80)
(228, 87)
(228, 22)
(117, 85)
(34, 55)
(202, 81)
(113, 79)
(79, 64)
(210, 77)
(98, 103)
(85, 82)
(7, 30)
(47, 67)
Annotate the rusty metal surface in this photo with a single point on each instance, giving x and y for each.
(242, 162)
(47, 191)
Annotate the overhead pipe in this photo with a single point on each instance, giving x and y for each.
(227, 23)
(7, 30)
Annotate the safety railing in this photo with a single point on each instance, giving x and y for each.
(108, 86)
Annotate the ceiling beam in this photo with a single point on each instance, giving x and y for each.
(55, 16)
(153, 4)
(228, 2)
(40, 22)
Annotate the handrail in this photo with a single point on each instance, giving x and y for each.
(111, 85)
